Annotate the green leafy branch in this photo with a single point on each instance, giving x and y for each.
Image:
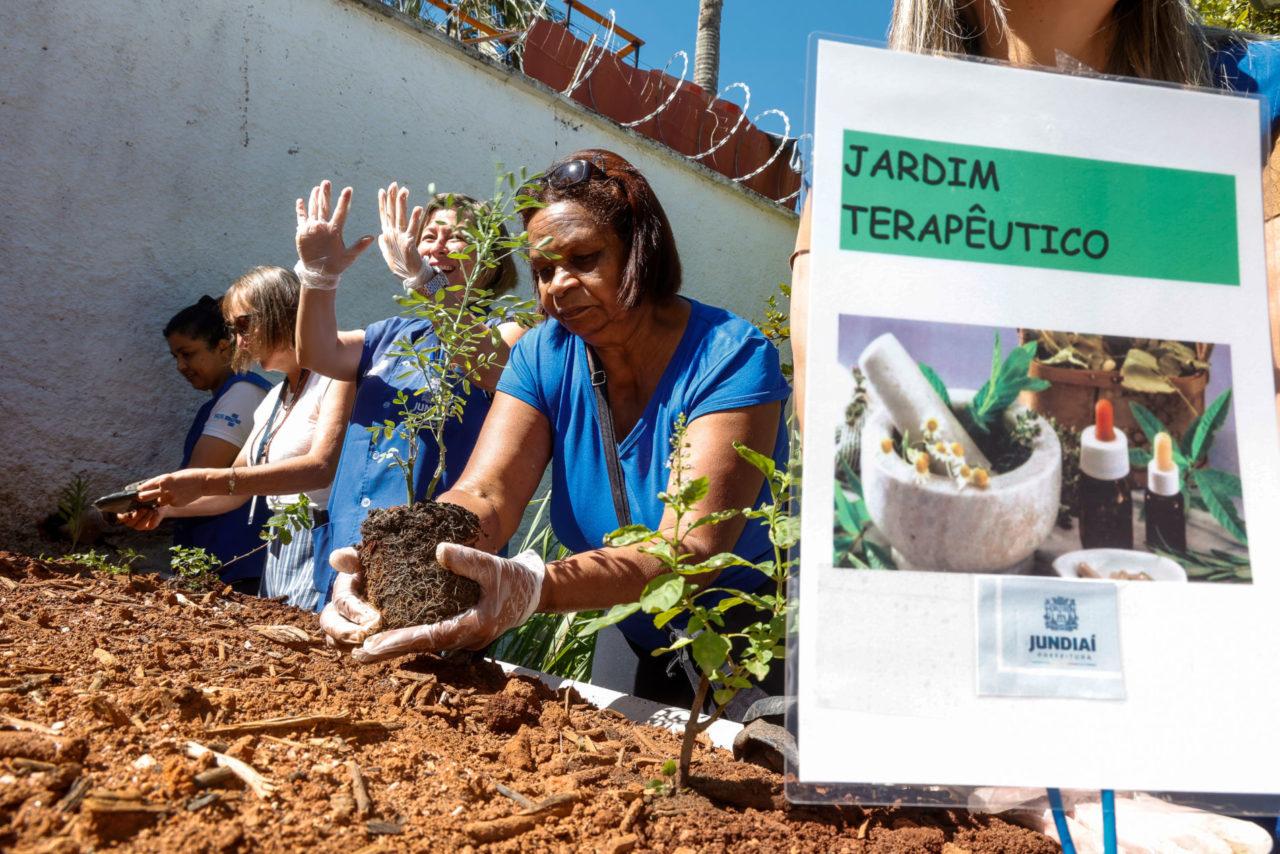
(465, 321)
(723, 669)
(1008, 379)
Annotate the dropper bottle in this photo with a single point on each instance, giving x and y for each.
(1106, 504)
(1163, 501)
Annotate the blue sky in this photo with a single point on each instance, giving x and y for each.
(763, 43)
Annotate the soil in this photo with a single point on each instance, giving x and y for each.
(403, 580)
(108, 682)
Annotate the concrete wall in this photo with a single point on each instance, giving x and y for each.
(150, 152)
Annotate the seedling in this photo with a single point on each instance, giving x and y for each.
(102, 562)
(664, 785)
(194, 567)
(402, 578)
(73, 501)
(723, 669)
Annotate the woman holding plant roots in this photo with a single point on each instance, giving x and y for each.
(291, 451)
(416, 247)
(1150, 39)
(202, 351)
(607, 274)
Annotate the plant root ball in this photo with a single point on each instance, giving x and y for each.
(398, 555)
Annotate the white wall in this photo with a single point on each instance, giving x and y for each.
(151, 151)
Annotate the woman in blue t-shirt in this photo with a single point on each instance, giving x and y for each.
(608, 280)
(416, 246)
(202, 351)
(1149, 39)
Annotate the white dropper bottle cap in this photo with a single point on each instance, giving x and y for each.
(1162, 473)
(1104, 449)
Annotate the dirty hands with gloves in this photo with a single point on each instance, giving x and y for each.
(510, 589)
(322, 253)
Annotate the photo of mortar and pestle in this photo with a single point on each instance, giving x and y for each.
(951, 479)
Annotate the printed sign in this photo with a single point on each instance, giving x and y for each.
(1040, 420)
(1045, 638)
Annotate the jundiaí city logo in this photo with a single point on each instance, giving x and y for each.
(1060, 616)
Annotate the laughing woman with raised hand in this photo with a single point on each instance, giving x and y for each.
(598, 387)
(292, 449)
(417, 247)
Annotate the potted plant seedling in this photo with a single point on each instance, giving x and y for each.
(727, 662)
(402, 578)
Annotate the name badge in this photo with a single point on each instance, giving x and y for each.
(1048, 638)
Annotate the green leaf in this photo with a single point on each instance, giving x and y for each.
(723, 695)
(679, 644)
(1139, 458)
(667, 616)
(616, 614)
(713, 519)
(1220, 505)
(662, 593)
(724, 560)
(936, 381)
(629, 535)
(1223, 483)
(709, 650)
(1208, 424)
(852, 515)
(786, 532)
(1147, 421)
(694, 491)
(669, 767)
(765, 464)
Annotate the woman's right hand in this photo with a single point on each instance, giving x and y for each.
(401, 232)
(321, 248)
(348, 618)
(142, 519)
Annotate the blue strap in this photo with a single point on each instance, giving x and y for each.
(1060, 821)
(1109, 821)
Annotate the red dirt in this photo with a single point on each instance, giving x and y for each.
(448, 755)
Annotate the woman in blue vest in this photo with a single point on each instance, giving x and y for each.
(202, 351)
(597, 388)
(416, 246)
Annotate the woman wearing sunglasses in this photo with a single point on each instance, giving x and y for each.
(596, 389)
(416, 247)
(291, 451)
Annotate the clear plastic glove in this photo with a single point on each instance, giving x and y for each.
(347, 618)
(509, 592)
(323, 255)
(401, 232)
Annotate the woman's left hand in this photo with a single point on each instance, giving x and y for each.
(321, 248)
(174, 489)
(509, 593)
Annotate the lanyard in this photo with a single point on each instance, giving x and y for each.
(617, 482)
(271, 429)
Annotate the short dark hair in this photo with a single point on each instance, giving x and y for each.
(623, 200)
(202, 322)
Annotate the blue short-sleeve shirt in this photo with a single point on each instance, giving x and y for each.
(722, 362)
(1251, 66)
(366, 476)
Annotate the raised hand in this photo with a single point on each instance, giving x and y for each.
(401, 231)
(321, 248)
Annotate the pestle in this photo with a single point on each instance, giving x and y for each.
(908, 397)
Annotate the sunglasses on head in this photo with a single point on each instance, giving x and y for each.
(241, 323)
(573, 172)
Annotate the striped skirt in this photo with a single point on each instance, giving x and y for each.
(290, 571)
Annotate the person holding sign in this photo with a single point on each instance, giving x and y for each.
(596, 391)
(1160, 40)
